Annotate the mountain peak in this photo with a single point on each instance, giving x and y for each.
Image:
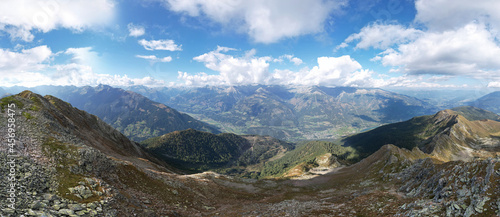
(102, 87)
(28, 94)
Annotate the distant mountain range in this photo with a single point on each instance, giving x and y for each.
(292, 113)
(490, 102)
(287, 113)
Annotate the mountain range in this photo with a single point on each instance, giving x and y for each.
(291, 113)
(73, 163)
(136, 116)
(490, 102)
(287, 113)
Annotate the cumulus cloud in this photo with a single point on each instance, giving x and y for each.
(155, 59)
(135, 31)
(454, 39)
(264, 21)
(21, 18)
(251, 69)
(247, 69)
(381, 36)
(32, 67)
(26, 60)
(471, 50)
(160, 45)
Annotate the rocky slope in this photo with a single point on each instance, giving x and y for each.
(447, 135)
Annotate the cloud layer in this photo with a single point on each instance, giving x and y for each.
(32, 67)
(250, 69)
(21, 18)
(264, 21)
(457, 39)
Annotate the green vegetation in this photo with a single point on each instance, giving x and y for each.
(4, 102)
(34, 108)
(36, 100)
(28, 115)
(407, 134)
(65, 156)
(307, 154)
(195, 150)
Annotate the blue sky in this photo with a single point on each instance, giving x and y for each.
(386, 44)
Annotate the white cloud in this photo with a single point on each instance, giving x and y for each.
(81, 75)
(83, 55)
(471, 50)
(329, 71)
(160, 45)
(495, 84)
(263, 20)
(32, 67)
(135, 31)
(381, 36)
(295, 60)
(21, 18)
(440, 15)
(250, 69)
(236, 70)
(154, 59)
(26, 60)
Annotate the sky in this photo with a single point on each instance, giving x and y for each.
(423, 44)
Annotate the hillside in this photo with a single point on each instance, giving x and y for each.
(308, 156)
(475, 114)
(132, 114)
(490, 102)
(67, 158)
(292, 113)
(447, 135)
(200, 151)
(197, 150)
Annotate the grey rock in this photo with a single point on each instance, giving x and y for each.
(66, 212)
(75, 207)
(49, 196)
